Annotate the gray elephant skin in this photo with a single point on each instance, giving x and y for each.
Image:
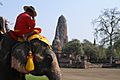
(44, 59)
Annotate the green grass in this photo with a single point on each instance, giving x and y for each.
(31, 77)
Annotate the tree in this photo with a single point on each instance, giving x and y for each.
(117, 49)
(94, 53)
(90, 50)
(73, 48)
(108, 28)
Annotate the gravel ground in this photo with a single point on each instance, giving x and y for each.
(91, 74)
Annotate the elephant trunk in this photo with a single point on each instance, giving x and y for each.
(48, 65)
(54, 76)
(55, 72)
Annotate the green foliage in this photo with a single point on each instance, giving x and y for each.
(89, 49)
(102, 53)
(31, 77)
(117, 49)
(73, 47)
(93, 52)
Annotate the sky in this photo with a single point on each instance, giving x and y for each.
(78, 13)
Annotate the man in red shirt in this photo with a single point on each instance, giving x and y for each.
(25, 22)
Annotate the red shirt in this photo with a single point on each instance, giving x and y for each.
(24, 24)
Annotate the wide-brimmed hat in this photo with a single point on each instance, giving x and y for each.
(30, 7)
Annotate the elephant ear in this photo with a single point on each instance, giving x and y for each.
(19, 56)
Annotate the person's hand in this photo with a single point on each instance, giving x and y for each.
(33, 17)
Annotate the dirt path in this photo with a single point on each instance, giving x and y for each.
(91, 74)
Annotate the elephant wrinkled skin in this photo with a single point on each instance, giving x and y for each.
(44, 58)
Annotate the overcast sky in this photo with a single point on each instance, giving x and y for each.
(78, 13)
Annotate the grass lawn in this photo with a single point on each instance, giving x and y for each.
(31, 77)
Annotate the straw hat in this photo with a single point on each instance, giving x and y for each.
(30, 7)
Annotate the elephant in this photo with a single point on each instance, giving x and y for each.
(45, 61)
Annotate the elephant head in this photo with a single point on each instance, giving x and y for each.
(45, 61)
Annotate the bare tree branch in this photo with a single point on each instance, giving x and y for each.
(108, 28)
